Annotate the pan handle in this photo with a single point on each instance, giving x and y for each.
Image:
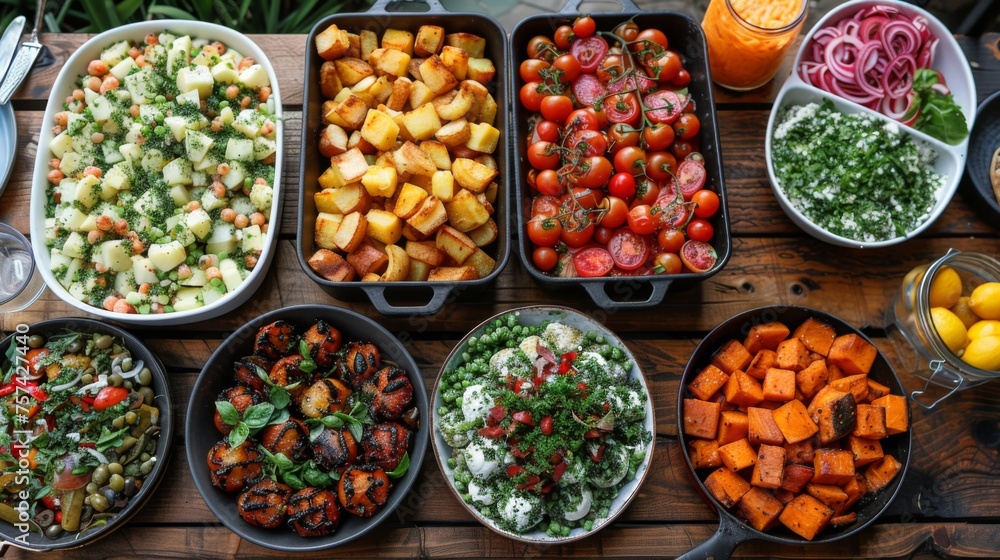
(438, 298)
(573, 6)
(604, 301)
(435, 6)
(720, 546)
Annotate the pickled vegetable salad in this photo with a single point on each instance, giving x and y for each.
(162, 174)
(80, 429)
(545, 425)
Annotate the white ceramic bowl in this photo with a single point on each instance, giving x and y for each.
(63, 87)
(948, 60)
(535, 316)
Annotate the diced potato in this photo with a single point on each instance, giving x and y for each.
(351, 112)
(481, 70)
(472, 44)
(482, 138)
(384, 226)
(456, 60)
(332, 42)
(422, 122)
(452, 274)
(398, 267)
(379, 130)
(429, 40)
(426, 220)
(351, 232)
(351, 165)
(380, 181)
(389, 61)
(482, 262)
(329, 80)
(326, 229)
(457, 107)
(164, 256)
(472, 175)
(367, 42)
(399, 40)
(436, 75)
(455, 244)
(420, 94)
(484, 234)
(443, 185)
(352, 198)
(425, 251)
(465, 212)
(438, 153)
(414, 160)
(410, 198)
(400, 94)
(331, 266)
(455, 133)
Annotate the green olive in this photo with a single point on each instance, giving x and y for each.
(115, 468)
(86, 379)
(144, 457)
(115, 379)
(116, 349)
(127, 444)
(99, 502)
(54, 531)
(90, 371)
(147, 395)
(36, 341)
(104, 341)
(131, 417)
(145, 376)
(100, 475)
(74, 347)
(127, 364)
(118, 423)
(117, 482)
(92, 487)
(147, 466)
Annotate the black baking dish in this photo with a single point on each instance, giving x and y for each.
(405, 297)
(685, 37)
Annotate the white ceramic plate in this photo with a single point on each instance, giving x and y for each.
(63, 86)
(948, 59)
(536, 316)
(8, 143)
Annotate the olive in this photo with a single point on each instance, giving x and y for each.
(116, 468)
(117, 482)
(54, 531)
(147, 394)
(147, 466)
(115, 379)
(87, 378)
(130, 486)
(144, 457)
(99, 502)
(127, 384)
(101, 475)
(127, 364)
(109, 494)
(145, 376)
(74, 347)
(36, 341)
(44, 518)
(131, 417)
(116, 349)
(92, 487)
(104, 341)
(90, 371)
(126, 444)
(118, 423)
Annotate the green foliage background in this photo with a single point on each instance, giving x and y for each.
(247, 16)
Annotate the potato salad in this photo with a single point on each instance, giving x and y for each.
(545, 426)
(162, 174)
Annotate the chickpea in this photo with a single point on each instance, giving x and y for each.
(109, 303)
(97, 68)
(264, 228)
(245, 102)
(62, 118)
(257, 219)
(245, 63)
(217, 124)
(152, 39)
(213, 272)
(141, 61)
(260, 181)
(250, 261)
(93, 170)
(183, 271)
(267, 128)
(228, 215)
(223, 169)
(208, 261)
(110, 83)
(241, 221)
(102, 268)
(218, 189)
(193, 205)
(78, 95)
(54, 163)
(97, 137)
(144, 288)
(55, 176)
(56, 130)
(264, 93)
(122, 306)
(94, 235)
(121, 226)
(104, 222)
(134, 52)
(220, 48)
(232, 91)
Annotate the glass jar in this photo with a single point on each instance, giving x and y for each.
(911, 328)
(747, 39)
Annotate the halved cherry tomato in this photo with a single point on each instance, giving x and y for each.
(545, 258)
(610, 68)
(622, 108)
(584, 26)
(547, 206)
(593, 261)
(514, 470)
(660, 165)
(641, 221)
(589, 51)
(34, 358)
(707, 203)
(587, 89)
(556, 107)
(595, 141)
(530, 97)
(690, 177)
(664, 106)
(530, 69)
(563, 37)
(569, 66)
(110, 396)
(628, 249)
(630, 160)
(594, 173)
(657, 137)
(544, 231)
(622, 185)
(698, 256)
(671, 214)
(547, 182)
(700, 229)
(670, 240)
(615, 213)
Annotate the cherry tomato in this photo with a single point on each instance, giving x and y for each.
(589, 51)
(603, 234)
(700, 230)
(584, 26)
(549, 131)
(627, 160)
(544, 231)
(587, 89)
(687, 126)
(548, 183)
(595, 142)
(698, 256)
(545, 205)
(659, 136)
(668, 65)
(628, 249)
(610, 68)
(543, 155)
(594, 173)
(34, 358)
(582, 118)
(707, 203)
(587, 197)
(577, 237)
(563, 37)
(556, 107)
(593, 261)
(660, 165)
(110, 396)
(690, 177)
(622, 108)
(670, 240)
(530, 97)
(669, 262)
(540, 46)
(683, 79)
(545, 258)
(672, 215)
(664, 106)
(621, 136)
(530, 68)
(646, 192)
(641, 221)
(622, 185)
(654, 35)
(682, 148)
(615, 212)
(569, 66)
(627, 30)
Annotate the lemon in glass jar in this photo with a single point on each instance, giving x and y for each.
(946, 288)
(950, 328)
(985, 300)
(984, 353)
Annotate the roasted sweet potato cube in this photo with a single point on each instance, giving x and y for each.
(770, 467)
(879, 474)
(701, 418)
(852, 354)
(726, 486)
(876, 389)
(762, 361)
(706, 383)
(812, 378)
(704, 453)
(779, 384)
(816, 335)
(794, 422)
(796, 477)
(833, 372)
(784, 496)
(743, 390)
(793, 355)
(830, 494)
(738, 455)
(800, 452)
(732, 426)
(836, 417)
(760, 509)
(833, 466)
(855, 490)
(761, 427)
(871, 422)
(844, 520)
(731, 357)
(765, 336)
(865, 451)
(806, 516)
(897, 413)
(857, 385)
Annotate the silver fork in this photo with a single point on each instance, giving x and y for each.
(25, 58)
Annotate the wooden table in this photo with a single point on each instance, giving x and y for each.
(950, 498)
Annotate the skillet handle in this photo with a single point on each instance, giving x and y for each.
(377, 296)
(435, 6)
(604, 301)
(720, 546)
(573, 6)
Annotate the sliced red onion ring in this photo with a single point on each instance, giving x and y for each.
(841, 55)
(869, 28)
(898, 77)
(899, 37)
(895, 108)
(941, 88)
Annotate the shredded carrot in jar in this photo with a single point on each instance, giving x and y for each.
(744, 52)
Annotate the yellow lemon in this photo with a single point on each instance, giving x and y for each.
(986, 327)
(984, 353)
(964, 312)
(946, 288)
(985, 300)
(950, 328)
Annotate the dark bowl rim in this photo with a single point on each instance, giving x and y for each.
(982, 190)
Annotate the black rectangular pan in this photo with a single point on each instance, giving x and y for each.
(686, 37)
(402, 298)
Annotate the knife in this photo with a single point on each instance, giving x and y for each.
(24, 59)
(8, 43)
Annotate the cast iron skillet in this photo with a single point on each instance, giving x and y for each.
(686, 37)
(161, 387)
(732, 530)
(402, 298)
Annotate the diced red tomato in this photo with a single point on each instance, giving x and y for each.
(492, 432)
(524, 417)
(110, 396)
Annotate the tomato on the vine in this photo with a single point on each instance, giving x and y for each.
(544, 231)
(577, 237)
(543, 155)
(700, 229)
(582, 118)
(707, 203)
(690, 177)
(545, 205)
(683, 79)
(687, 126)
(622, 136)
(622, 108)
(584, 26)
(530, 97)
(569, 66)
(660, 166)
(670, 240)
(531, 68)
(556, 107)
(698, 256)
(588, 198)
(615, 212)
(587, 89)
(594, 172)
(589, 51)
(593, 261)
(641, 221)
(672, 215)
(658, 136)
(627, 30)
(622, 185)
(630, 160)
(563, 37)
(610, 68)
(547, 182)
(547, 130)
(669, 262)
(664, 106)
(540, 46)
(666, 67)
(592, 142)
(545, 258)
(683, 148)
(654, 35)
(646, 191)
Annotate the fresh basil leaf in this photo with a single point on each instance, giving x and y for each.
(357, 430)
(404, 465)
(239, 434)
(315, 431)
(280, 461)
(939, 115)
(263, 374)
(304, 349)
(315, 477)
(109, 439)
(293, 480)
(332, 421)
(256, 416)
(279, 397)
(228, 412)
(307, 365)
(280, 416)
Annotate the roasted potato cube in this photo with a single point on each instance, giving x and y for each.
(479, 95)
(352, 198)
(380, 180)
(331, 179)
(326, 228)
(332, 43)
(368, 259)
(332, 141)
(414, 160)
(325, 201)
(472, 175)
(438, 153)
(452, 274)
(425, 251)
(369, 42)
(352, 70)
(456, 60)
(357, 141)
(426, 220)
(414, 68)
(379, 130)
(482, 138)
(329, 80)
(472, 44)
(398, 267)
(488, 112)
(465, 212)
(389, 61)
(399, 40)
(331, 266)
(455, 244)
(420, 94)
(436, 76)
(384, 226)
(484, 234)
(481, 70)
(455, 133)
(351, 232)
(430, 39)
(400, 94)
(352, 111)
(351, 165)
(456, 107)
(422, 122)
(483, 263)
(419, 271)
(409, 200)
(443, 185)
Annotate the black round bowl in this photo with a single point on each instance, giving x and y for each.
(161, 387)
(732, 530)
(983, 141)
(200, 433)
